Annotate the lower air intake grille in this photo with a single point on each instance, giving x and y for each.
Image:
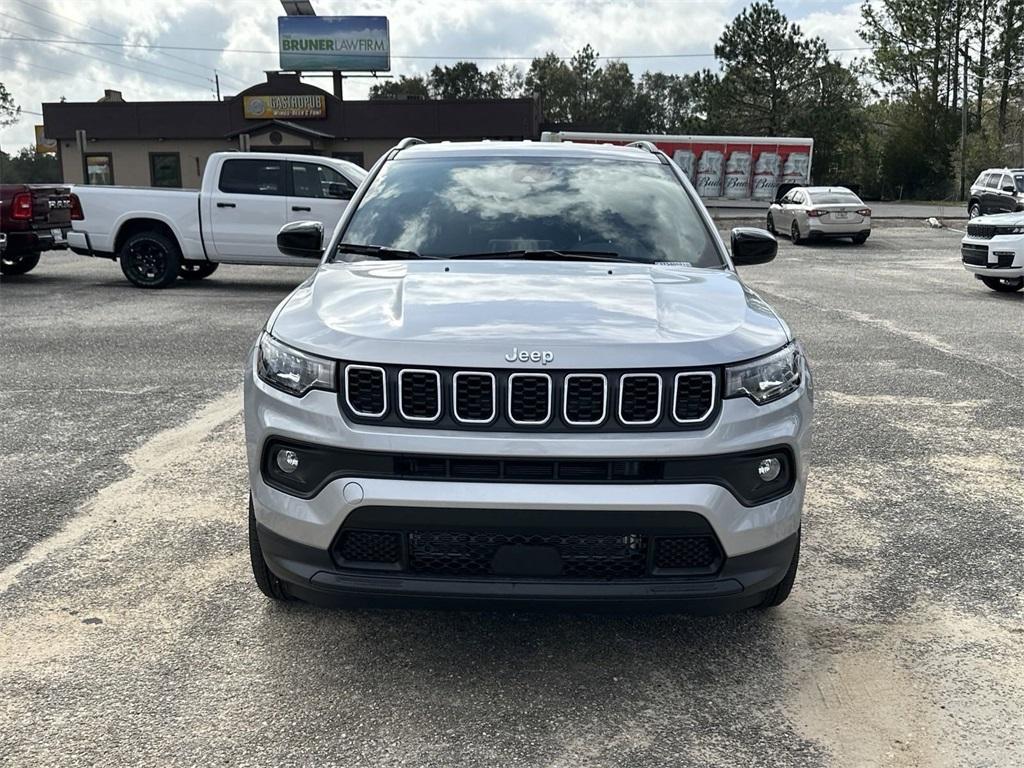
(370, 546)
(976, 255)
(583, 556)
(686, 553)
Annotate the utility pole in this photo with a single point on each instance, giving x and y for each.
(963, 128)
(216, 80)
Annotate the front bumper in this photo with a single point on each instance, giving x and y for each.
(297, 534)
(1001, 256)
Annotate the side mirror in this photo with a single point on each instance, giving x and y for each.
(752, 246)
(304, 239)
(1010, 188)
(338, 191)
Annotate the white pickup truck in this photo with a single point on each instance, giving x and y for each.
(159, 235)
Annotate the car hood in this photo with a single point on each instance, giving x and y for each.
(476, 313)
(1000, 219)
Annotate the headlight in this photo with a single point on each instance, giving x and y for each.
(290, 370)
(767, 378)
(1010, 230)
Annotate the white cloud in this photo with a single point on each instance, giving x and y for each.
(36, 72)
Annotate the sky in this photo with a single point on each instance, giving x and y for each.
(37, 72)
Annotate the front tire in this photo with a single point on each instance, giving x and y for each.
(268, 583)
(19, 265)
(974, 211)
(778, 594)
(794, 234)
(150, 260)
(196, 270)
(1004, 284)
(771, 224)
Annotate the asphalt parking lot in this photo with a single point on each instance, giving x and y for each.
(131, 634)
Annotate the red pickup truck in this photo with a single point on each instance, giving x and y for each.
(33, 218)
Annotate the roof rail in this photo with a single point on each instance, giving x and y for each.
(407, 142)
(646, 146)
(650, 146)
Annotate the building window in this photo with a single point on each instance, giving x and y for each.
(252, 177)
(165, 169)
(99, 168)
(316, 180)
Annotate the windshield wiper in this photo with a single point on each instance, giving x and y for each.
(544, 254)
(382, 252)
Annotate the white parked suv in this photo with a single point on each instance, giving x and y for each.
(993, 250)
(527, 373)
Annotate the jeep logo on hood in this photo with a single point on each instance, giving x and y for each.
(526, 356)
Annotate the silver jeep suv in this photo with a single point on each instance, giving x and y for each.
(529, 374)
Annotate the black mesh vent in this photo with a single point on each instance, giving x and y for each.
(474, 397)
(529, 398)
(695, 394)
(981, 230)
(640, 398)
(420, 396)
(584, 399)
(583, 556)
(365, 390)
(370, 546)
(686, 553)
(976, 255)
(1004, 260)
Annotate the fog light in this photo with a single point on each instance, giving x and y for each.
(288, 461)
(768, 470)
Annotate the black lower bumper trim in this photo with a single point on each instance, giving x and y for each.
(311, 575)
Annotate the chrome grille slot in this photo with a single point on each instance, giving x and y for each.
(474, 397)
(584, 399)
(639, 399)
(366, 390)
(694, 396)
(529, 399)
(419, 394)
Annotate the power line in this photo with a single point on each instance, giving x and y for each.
(71, 39)
(115, 37)
(149, 46)
(57, 44)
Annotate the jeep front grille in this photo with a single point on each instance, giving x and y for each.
(567, 401)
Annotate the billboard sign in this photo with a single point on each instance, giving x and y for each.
(345, 43)
(277, 107)
(723, 167)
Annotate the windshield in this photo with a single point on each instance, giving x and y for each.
(835, 197)
(442, 207)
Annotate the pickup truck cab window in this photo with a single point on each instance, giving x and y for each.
(441, 207)
(252, 177)
(319, 180)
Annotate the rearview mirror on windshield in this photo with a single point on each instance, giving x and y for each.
(750, 245)
(304, 239)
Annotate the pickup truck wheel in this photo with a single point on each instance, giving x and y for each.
(777, 595)
(150, 260)
(1004, 284)
(269, 584)
(196, 270)
(19, 265)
